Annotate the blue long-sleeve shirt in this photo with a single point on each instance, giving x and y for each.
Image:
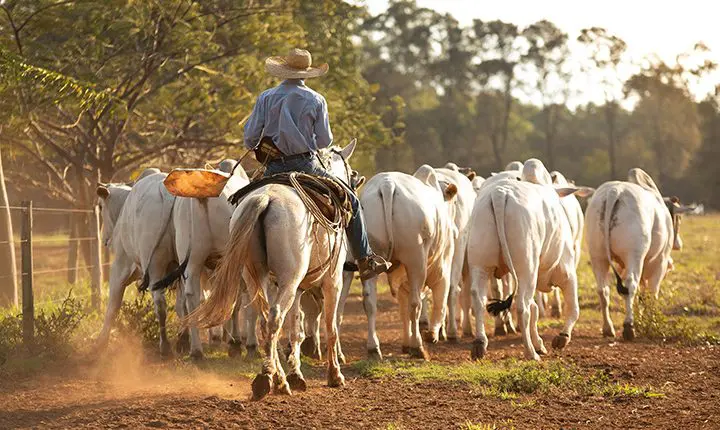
(293, 115)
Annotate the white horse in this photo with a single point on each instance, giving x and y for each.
(272, 231)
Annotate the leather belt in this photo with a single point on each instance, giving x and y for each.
(286, 158)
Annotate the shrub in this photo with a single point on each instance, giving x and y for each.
(652, 324)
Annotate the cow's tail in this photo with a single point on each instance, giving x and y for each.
(146, 275)
(610, 202)
(387, 191)
(499, 202)
(227, 277)
(173, 276)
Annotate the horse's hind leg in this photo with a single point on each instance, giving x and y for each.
(294, 320)
(332, 285)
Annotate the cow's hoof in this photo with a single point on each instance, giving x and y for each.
(478, 349)
(424, 325)
(261, 386)
(542, 350)
(418, 352)
(296, 382)
(608, 332)
(560, 341)
(336, 379)
(453, 339)
(500, 330)
(252, 352)
(374, 354)
(555, 312)
(628, 332)
(405, 349)
(532, 356)
(182, 346)
(341, 358)
(430, 337)
(510, 328)
(281, 387)
(234, 348)
(310, 348)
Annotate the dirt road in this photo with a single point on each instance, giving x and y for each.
(127, 391)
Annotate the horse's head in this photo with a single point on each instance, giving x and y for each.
(335, 159)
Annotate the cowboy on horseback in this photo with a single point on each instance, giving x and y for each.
(287, 127)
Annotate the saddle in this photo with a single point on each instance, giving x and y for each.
(327, 195)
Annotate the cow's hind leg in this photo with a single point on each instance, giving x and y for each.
(182, 345)
(417, 274)
(572, 308)
(600, 268)
(122, 273)
(479, 279)
(534, 335)
(193, 296)
(332, 286)
(370, 306)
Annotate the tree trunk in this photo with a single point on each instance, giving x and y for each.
(73, 249)
(610, 119)
(8, 269)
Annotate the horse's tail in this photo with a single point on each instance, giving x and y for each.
(227, 277)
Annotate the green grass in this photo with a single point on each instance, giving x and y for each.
(506, 379)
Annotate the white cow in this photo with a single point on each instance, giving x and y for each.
(137, 225)
(200, 235)
(631, 225)
(463, 202)
(410, 222)
(520, 228)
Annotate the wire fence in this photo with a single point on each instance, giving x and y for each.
(27, 271)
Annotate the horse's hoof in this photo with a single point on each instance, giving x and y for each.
(560, 341)
(555, 312)
(375, 354)
(252, 352)
(500, 331)
(261, 386)
(336, 379)
(182, 346)
(479, 349)
(296, 382)
(608, 332)
(234, 348)
(628, 332)
(310, 348)
(197, 355)
(453, 339)
(430, 337)
(419, 352)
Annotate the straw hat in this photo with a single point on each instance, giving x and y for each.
(296, 65)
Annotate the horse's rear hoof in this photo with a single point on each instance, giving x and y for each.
(500, 331)
(628, 332)
(560, 341)
(234, 349)
(310, 348)
(479, 349)
(252, 352)
(296, 382)
(375, 354)
(418, 352)
(261, 386)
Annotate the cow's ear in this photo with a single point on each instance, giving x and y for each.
(468, 172)
(347, 151)
(102, 191)
(449, 192)
(577, 191)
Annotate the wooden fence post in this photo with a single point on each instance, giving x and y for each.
(96, 254)
(28, 305)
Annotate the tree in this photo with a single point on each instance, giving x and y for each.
(8, 268)
(500, 45)
(606, 53)
(548, 53)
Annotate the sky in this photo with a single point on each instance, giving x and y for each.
(662, 27)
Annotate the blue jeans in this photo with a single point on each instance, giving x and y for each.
(355, 231)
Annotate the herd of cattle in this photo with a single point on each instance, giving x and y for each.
(508, 244)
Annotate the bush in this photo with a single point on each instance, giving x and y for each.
(137, 319)
(652, 324)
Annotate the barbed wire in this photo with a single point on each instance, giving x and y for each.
(56, 210)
